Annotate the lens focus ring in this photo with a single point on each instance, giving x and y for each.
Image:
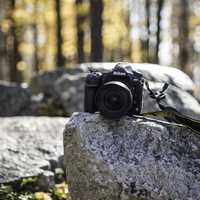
(114, 99)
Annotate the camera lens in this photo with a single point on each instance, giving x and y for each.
(114, 99)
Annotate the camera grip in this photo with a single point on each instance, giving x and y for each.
(89, 103)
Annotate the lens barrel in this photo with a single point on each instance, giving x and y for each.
(114, 99)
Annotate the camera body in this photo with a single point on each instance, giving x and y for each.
(115, 93)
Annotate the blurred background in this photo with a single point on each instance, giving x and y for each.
(42, 35)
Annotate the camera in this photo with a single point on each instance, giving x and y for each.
(115, 93)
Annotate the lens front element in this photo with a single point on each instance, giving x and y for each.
(114, 99)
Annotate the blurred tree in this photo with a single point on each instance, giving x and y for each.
(96, 12)
(128, 41)
(183, 34)
(60, 61)
(147, 9)
(3, 60)
(35, 38)
(117, 30)
(160, 4)
(80, 22)
(125, 41)
(3, 53)
(13, 46)
(96, 30)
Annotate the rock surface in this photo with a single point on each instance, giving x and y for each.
(183, 101)
(14, 100)
(69, 91)
(130, 159)
(30, 146)
(44, 83)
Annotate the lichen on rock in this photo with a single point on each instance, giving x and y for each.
(133, 158)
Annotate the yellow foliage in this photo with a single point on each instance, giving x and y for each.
(41, 14)
(21, 16)
(26, 48)
(6, 25)
(42, 196)
(21, 66)
(61, 191)
(137, 55)
(69, 28)
(49, 17)
(83, 9)
(115, 30)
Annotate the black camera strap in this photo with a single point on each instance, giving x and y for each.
(170, 113)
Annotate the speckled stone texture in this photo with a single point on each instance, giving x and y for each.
(131, 159)
(30, 146)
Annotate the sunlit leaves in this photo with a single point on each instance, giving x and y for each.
(116, 33)
(61, 192)
(40, 14)
(21, 17)
(5, 25)
(42, 196)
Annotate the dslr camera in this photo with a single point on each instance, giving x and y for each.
(115, 93)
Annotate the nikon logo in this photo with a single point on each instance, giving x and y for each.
(119, 73)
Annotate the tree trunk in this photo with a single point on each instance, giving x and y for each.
(13, 49)
(60, 61)
(3, 58)
(4, 68)
(35, 40)
(158, 38)
(96, 12)
(184, 35)
(130, 43)
(147, 8)
(80, 20)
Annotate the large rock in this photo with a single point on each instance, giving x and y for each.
(14, 100)
(30, 146)
(44, 83)
(183, 101)
(69, 91)
(134, 158)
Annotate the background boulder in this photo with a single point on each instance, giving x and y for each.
(44, 83)
(30, 146)
(69, 91)
(177, 98)
(151, 72)
(130, 159)
(14, 100)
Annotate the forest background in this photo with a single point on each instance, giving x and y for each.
(42, 35)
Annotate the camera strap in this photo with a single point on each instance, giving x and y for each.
(170, 113)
